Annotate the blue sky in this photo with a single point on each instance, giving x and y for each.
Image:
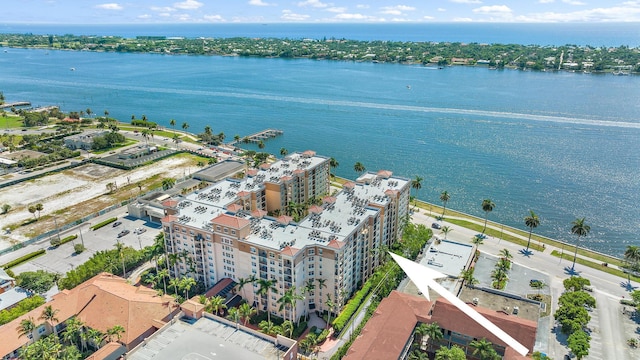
(313, 11)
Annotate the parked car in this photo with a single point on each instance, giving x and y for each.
(117, 223)
(139, 230)
(534, 282)
(435, 225)
(481, 236)
(123, 233)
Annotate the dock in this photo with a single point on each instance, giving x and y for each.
(19, 103)
(259, 136)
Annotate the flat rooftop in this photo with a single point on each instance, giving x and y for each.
(219, 170)
(205, 339)
(448, 257)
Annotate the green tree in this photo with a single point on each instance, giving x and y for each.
(484, 350)
(261, 144)
(216, 304)
(446, 230)
(577, 298)
(532, 221)
(434, 333)
(330, 307)
(632, 258)
(32, 209)
(416, 184)
(38, 281)
(505, 254)
(49, 315)
(245, 281)
(172, 122)
(576, 283)
(186, 284)
(96, 336)
(333, 163)
(6, 208)
(487, 207)
(26, 327)
(444, 197)
(288, 301)
(245, 311)
(234, 315)
(454, 353)
(284, 152)
(579, 344)
(359, 167)
(168, 183)
(288, 327)
(468, 278)
(265, 286)
(115, 331)
(185, 126)
(581, 229)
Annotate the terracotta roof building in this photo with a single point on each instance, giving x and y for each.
(389, 333)
(100, 302)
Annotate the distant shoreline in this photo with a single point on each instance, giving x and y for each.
(587, 59)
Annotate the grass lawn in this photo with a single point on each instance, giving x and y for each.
(10, 122)
(568, 255)
(126, 143)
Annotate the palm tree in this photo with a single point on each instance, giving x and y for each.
(504, 263)
(445, 230)
(216, 304)
(117, 331)
(505, 254)
(284, 152)
(288, 327)
(484, 349)
(532, 221)
(26, 327)
(96, 337)
(477, 240)
(288, 300)
(245, 311)
(172, 122)
(330, 307)
(416, 184)
(39, 208)
(444, 197)
(581, 229)
(168, 183)
(359, 167)
(264, 287)
(106, 113)
(266, 327)
(145, 134)
(72, 332)
(120, 247)
(632, 257)
(261, 144)
(333, 163)
(187, 283)
(420, 332)
(244, 281)
(434, 333)
(185, 126)
(321, 283)
(499, 277)
(234, 315)
(49, 314)
(468, 278)
(487, 207)
(175, 282)
(32, 210)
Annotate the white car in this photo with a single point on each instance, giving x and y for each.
(139, 230)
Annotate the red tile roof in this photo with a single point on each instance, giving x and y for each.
(230, 221)
(349, 185)
(171, 203)
(289, 251)
(252, 172)
(309, 153)
(258, 213)
(100, 302)
(315, 209)
(385, 174)
(169, 218)
(450, 318)
(243, 193)
(234, 208)
(388, 330)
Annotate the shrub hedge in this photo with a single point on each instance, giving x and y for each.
(55, 242)
(351, 307)
(104, 223)
(23, 259)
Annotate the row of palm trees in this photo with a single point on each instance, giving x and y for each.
(482, 348)
(76, 333)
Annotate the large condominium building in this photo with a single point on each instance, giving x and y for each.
(224, 232)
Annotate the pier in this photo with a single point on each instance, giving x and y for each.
(259, 136)
(19, 103)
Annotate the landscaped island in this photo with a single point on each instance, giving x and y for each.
(618, 60)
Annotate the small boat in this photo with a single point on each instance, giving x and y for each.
(73, 69)
(409, 87)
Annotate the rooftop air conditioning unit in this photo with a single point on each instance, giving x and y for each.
(475, 301)
(515, 310)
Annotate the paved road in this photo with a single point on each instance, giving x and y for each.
(608, 290)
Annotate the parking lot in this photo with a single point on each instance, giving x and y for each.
(63, 258)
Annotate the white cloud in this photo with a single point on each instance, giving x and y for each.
(258, 3)
(493, 10)
(613, 14)
(183, 17)
(461, 19)
(442, 9)
(337, 9)
(362, 6)
(313, 3)
(291, 16)
(466, 2)
(546, 1)
(573, 2)
(144, 16)
(164, 14)
(188, 5)
(396, 10)
(214, 18)
(110, 6)
(427, 17)
(346, 16)
(163, 9)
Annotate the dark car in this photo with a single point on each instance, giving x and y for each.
(535, 282)
(117, 223)
(436, 225)
(123, 233)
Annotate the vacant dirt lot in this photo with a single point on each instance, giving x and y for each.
(80, 191)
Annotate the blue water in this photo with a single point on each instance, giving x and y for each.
(595, 34)
(562, 144)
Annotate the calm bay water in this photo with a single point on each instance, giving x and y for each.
(565, 145)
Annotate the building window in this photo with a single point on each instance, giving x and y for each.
(253, 250)
(233, 232)
(312, 252)
(226, 231)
